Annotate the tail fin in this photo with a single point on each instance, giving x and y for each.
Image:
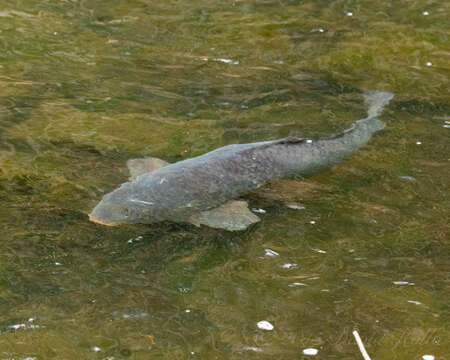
(376, 100)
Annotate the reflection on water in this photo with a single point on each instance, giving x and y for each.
(86, 85)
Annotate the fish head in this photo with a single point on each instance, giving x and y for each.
(123, 206)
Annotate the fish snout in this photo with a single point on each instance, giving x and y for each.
(101, 222)
(107, 213)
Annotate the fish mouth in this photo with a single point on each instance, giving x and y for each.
(101, 222)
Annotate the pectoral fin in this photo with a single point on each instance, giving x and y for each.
(232, 216)
(138, 167)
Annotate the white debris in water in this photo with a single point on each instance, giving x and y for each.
(187, 310)
(96, 349)
(310, 351)
(403, 283)
(265, 325)
(349, 14)
(289, 266)
(360, 344)
(427, 357)
(415, 302)
(224, 103)
(17, 326)
(429, 63)
(400, 282)
(295, 206)
(295, 284)
(309, 141)
(447, 126)
(418, 142)
(24, 326)
(425, 13)
(55, 33)
(312, 222)
(314, 278)
(31, 319)
(252, 348)
(271, 253)
(259, 211)
(408, 178)
(140, 315)
(228, 61)
(137, 315)
(321, 30)
(192, 352)
(319, 251)
(325, 290)
(138, 238)
(58, 264)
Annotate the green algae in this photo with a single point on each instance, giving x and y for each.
(87, 85)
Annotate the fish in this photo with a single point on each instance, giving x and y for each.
(202, 190)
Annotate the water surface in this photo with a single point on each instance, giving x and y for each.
(86, 85)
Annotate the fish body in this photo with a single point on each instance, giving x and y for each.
(178, 191)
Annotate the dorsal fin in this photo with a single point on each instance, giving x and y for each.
(290, 140)
(137, 167)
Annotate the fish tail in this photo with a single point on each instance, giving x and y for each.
(376, 100)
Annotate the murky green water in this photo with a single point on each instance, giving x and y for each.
(86, 85)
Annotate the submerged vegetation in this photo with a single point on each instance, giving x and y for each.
(86, 85)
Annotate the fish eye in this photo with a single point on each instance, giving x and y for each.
(126, 212)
